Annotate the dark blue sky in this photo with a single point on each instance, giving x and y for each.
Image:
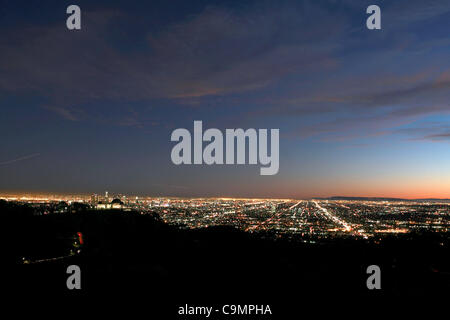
(360, 112)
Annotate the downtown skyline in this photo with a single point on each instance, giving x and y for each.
(361, 113)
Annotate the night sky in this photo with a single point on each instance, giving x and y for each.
(361, 112)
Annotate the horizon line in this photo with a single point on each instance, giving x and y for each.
(84, 194)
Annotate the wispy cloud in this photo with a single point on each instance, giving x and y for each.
(280, 60)
(20, 159)
(65, 112)
(216, 52)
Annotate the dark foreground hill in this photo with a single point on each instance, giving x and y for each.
(128, 254)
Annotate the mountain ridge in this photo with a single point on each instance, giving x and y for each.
(380, 199)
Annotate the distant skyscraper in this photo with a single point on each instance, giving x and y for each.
(94, 199)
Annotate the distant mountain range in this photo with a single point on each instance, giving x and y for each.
(379, 199)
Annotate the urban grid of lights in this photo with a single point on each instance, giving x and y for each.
(318, 218)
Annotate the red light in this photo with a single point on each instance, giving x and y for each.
(80, 237)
